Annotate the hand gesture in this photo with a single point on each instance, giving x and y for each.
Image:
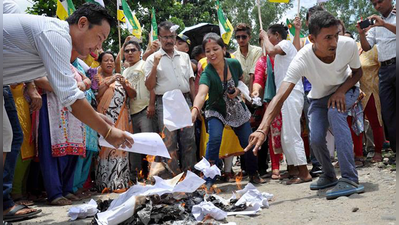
(157, 58)
(155, 46)
(337, 100)
(359, 30)
(128, 38)
(119, 139)
(36, 99)
(255, 93)
(378, 22)
(256, 139)
(297, 23)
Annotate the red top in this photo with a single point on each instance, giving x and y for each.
(260, 75)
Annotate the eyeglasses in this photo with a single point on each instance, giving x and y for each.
(133, 50)
(167, 37)
(243, 37)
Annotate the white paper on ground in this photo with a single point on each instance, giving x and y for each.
(244, 90)
(251, 196)
(176, 112)
(122, 207)
(205, 167)
(148, 143)
(118, 213)
(83, 211)
(207, 208)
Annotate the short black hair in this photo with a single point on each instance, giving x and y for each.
(243, 27)
(197, 50)
(135, 43)
(279, 28)
(101, 56)
(212, 36)
(321, 19)
(165, 25)
(312, 10)
(350, 34)
(94, 13)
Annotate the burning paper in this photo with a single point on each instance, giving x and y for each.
(83, 211)
(147, 143)
(207, 208)
(251, 197)
(205, 167)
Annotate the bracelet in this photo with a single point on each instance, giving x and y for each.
(261, 131)
(195, 107)
(108, 133)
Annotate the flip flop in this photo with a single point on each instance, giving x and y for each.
(297, 180)
(24, 202)
(344, 187)
(11, 216)
(61, 201)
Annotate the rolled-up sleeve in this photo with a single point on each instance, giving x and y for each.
(55, 49)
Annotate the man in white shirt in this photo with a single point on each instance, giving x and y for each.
(167, 70)
(383, 34)
(332, 66)
(36, 46)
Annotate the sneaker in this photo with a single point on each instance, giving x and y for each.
(323, 182)
(316, 171)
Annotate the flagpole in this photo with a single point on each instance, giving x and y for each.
(261, 25)
(299, 8)
(119, 27)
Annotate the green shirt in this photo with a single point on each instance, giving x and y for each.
(210, 78)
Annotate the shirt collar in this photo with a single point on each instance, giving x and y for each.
(250, 47)
(389, 16)
(175, 52)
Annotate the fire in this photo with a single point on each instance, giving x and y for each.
(105, 190)
(183, 204)
(238, 180)
(141, 175)
(216, 189)
(150, 158)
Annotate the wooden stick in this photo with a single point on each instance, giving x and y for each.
(261, 26)
(299, 8)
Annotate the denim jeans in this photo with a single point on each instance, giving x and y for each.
(11, 158)
(321, 118)
(215, 130)
(387, 89)
(306, 105)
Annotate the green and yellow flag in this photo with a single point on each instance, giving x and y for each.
(226, 29)
(119, 13)
(154, 26)
(64, 9)
(291, 31)
(133, 24)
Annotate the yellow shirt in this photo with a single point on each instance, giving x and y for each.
(248, 63)
(135, 75)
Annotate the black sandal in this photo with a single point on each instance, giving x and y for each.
(11, 216)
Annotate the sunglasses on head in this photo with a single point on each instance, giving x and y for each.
(243, 37)
(131, 50)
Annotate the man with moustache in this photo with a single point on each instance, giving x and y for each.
(166, 70)
(332, 66)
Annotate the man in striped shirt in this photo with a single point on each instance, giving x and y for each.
(37, 46)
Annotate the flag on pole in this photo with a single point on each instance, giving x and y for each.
(133, 24)
(226, 29)
(64, 9)
(291, 31)
(119, 14)
(154, 26)
(280, 1)
(100, 2)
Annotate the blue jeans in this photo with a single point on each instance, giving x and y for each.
(387, 89)
(306, 105)
(11, 158)
(321, 118)
(215, 130)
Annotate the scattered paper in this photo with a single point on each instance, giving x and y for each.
(207, 208)
(174, 28)
(122, 207)
(83, 211)
(205, 167)
(147, 143)
(257, 101)
(244, 90)
(251, 196)
(176, 113)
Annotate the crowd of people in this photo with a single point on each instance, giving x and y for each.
(62, 92)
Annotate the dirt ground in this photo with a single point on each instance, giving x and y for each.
(295, 204)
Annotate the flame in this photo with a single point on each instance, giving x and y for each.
(183, 204)
(141, 175)
(105, 190)
(216, 189)
(238, 180)
(150, 158)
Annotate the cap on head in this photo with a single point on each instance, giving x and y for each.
(184, 38)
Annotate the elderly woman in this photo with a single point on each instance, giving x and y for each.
(114, 92)
(220, 79)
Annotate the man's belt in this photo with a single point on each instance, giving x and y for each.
(389, 62)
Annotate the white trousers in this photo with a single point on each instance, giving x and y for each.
(291, 140)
